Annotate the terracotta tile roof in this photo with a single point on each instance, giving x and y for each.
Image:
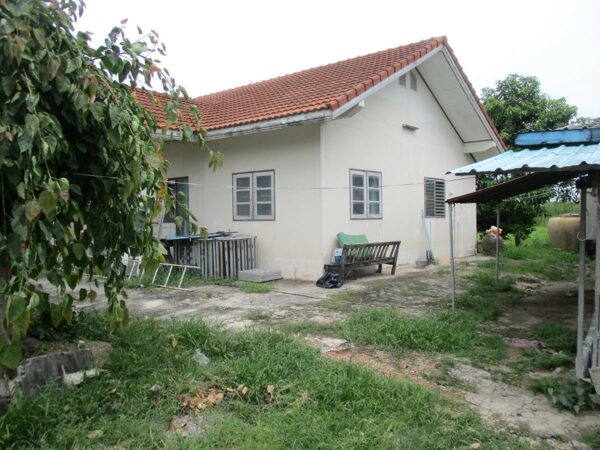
(155, 104)
(325, 87)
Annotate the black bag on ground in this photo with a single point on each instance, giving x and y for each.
(330, 281)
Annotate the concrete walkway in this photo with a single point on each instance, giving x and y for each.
(288, 301)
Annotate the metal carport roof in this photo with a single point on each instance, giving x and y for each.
(514, 187)
(556, 159)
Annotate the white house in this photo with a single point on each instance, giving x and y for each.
(360, 146)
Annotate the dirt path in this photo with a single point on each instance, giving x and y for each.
(497, 403)
(521, 409)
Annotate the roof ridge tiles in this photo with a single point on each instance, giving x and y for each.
(439, 40)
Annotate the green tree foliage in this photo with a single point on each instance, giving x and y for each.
(517, 214)
(517, 105)
(81, 176)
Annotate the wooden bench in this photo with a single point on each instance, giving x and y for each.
(360, 255)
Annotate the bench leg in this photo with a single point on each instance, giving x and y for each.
(379, 268)
(394, 269)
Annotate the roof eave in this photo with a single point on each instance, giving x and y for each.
(315, 116)
(382, 84)
(475, 102)
(270, 125)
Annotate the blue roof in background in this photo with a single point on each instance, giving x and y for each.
(558, 137)
(562, 158)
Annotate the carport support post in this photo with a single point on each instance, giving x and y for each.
(453, 280)
(596, 325)
(579, 369)
(497, 242)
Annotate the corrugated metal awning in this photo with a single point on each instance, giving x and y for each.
(514, 187)
(557, 159)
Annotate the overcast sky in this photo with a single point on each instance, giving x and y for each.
(220, 44)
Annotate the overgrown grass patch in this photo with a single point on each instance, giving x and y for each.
(340, 300)
(535, 256)
(308, 327)
(487, 298)
(455, 332)
(254, 288)
(318, 403)
(556, 337)
(530, 360)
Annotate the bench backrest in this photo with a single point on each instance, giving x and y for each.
(358, 253)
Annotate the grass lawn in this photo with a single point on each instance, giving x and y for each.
(317, 403)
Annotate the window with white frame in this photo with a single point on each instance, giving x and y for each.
(254, 195)
(365, 194)
(179, 191)
(435, 197)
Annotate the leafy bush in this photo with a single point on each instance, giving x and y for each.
(568, 393)
(85, 325)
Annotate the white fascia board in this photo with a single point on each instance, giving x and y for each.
(169, 135)
(472, 99)
(356, 100)
(269, 125)
(479, 147)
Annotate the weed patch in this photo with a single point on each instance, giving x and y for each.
(546, 361)
(486, 298)
(441, 331)
(254, 288)
(307, 327)
(340, 300)
(535, 256)
(258, 316)
(568, 393)
(557, 337)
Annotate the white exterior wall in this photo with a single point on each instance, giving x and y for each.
(292, 241)
(312, 196)
(374, 139)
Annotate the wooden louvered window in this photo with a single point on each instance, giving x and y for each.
(435, 197)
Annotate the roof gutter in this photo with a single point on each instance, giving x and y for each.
(270, 125)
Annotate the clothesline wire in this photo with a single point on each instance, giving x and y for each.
(225, 186)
